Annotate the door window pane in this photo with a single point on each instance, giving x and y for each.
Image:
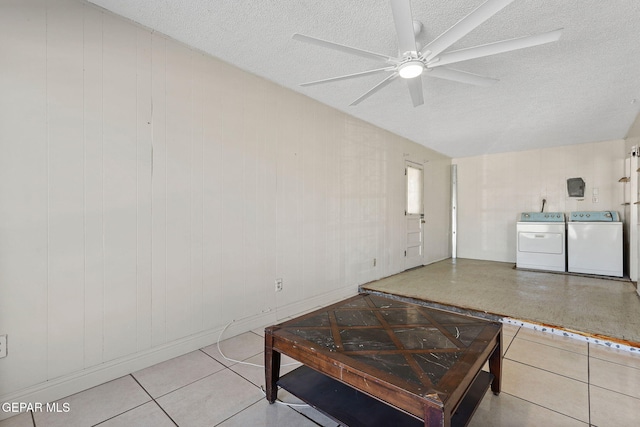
(414, 190)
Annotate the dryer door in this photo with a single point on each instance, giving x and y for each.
(540, 242)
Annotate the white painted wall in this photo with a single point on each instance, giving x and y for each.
(150, 194)
(494, 189)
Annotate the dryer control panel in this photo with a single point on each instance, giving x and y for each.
(542, 217)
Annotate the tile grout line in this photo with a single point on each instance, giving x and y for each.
(245, 379)
(250, 382)
(560, 375)
(510, 342)
(552, 346)
(542, 406)
(154, 400)
(135, 407)
(616, 392)
(603, 387)
(233, 415)
(202, 378)
(186, 385)
(615, 363)
(589, 344)
(548, 371)
(589, 381)
(121, 413)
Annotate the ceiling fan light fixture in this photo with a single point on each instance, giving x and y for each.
(411, 69)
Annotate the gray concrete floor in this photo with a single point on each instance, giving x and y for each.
(596, 306)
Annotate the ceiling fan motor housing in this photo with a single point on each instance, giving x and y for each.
(410, 69)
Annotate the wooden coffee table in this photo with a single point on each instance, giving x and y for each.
(371, 361)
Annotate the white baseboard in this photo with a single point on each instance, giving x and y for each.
(433, 261)
(67, 385)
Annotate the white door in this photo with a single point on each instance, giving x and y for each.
(414, 215)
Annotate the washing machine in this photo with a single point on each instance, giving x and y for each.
(541, 238)
(595, 243)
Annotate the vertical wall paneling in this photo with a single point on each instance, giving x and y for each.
(319, 125)
(296, 120)
(333, 141)
(212, 202)
(197, 190)
(158, 191)
(179, 92)
(267, 156)
(348, 177)
(120, 186)
(258, 275)
(144, 109)
(23, 193)
(259, 278)
(151, 194)
(233, 187)
(248, 239)
(65, 338)
(308, 192)
(289, 196)
(93, 190)
(312, 164)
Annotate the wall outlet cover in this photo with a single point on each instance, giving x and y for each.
(3, 346)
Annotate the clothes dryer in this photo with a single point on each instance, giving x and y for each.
(541, 240)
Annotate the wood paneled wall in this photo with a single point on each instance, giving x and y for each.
(149, 192)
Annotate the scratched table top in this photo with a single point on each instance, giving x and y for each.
(427, 352)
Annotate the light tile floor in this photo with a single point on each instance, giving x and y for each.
(547, 381)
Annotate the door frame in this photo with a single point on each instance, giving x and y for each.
(414, 228)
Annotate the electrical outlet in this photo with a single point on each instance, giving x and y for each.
(3, 346)
(278, 285)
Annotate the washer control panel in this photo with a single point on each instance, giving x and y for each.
(594, 216)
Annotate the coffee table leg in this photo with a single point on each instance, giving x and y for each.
(435, 417)
(495, 366)
(271, 367)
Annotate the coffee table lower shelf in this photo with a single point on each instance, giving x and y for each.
(353, 408)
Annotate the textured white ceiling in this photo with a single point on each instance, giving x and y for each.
(577, 90)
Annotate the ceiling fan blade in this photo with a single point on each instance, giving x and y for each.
(415, 89)
(349, 76)
(495, 48)
(464, 27)
(375, 89)
(343, 48)
(460, 76)
(404, 25)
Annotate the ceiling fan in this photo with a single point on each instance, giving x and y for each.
(430, 60)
